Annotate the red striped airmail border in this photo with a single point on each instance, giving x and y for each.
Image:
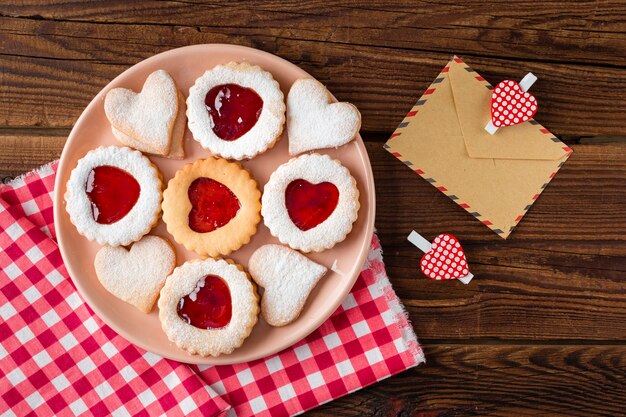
(422, 100)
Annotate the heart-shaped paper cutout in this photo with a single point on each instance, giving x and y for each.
(149, 115)
(212, 205)
(112, 192)
(209, 305)
(233, 110)
(288, 278)
(309, 204)
(315, 121)
(510, 105)
(136, 275)
(445, 259)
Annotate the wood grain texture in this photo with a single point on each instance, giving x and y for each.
(584, 31)
(498, 381)
(20, 154)
(542, 328)
(382, 71)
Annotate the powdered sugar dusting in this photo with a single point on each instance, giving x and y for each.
(150, 114)
(183, 281)
(315, 120)
(128, 276)
(176, 148)
(288, 278)
(139, 220)
(314, 168)
(263, 134)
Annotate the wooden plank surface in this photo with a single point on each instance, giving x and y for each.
(542, 329)
(56, 59)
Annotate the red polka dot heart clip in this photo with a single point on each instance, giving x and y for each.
(443, 259)
(511, 104)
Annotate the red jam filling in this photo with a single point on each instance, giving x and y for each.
(209, 306)
(233, 110)
(310, 204)
(113, 192)
(212, 205)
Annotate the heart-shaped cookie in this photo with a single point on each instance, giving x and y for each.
(149, 115)
(176, 151)
(445, 259)
(510, 105)
(315, 121)
(288, 278)
(136, 275)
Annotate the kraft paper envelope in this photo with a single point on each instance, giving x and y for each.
(496, 178)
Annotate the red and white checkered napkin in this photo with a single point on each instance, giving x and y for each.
(58, 358)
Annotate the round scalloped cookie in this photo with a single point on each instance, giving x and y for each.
(218, 228)
(316, 170)
(184, 285)
(141, 217)
(261, 135)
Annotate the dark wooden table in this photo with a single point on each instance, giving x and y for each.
(542, 328)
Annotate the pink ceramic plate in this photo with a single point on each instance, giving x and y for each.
(92, 130)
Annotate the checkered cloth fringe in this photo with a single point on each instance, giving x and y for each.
(57, 358)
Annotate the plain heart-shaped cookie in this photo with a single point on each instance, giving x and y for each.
(315, 121)
(510, 105)
(137, 275)
(288, 278)
(445, 259)
(149, 115)
(176, 151)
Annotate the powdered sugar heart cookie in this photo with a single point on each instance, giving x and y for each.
(176, 151)
(445, 259)
(315, 121)
(136, 275)
(288, 278)
(149, 115)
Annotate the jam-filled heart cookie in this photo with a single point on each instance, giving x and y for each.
(212, 206)
(315, 120)
(310, 203)
(288, 278)
(114, 195)
(236, 110)
(138, 274)
(208, 307)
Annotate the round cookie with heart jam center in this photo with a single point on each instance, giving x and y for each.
(236, 111)
(114, 195)
(310, 203)
(212, 206)
(208, 307)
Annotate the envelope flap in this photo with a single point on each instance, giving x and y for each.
(472, 100)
